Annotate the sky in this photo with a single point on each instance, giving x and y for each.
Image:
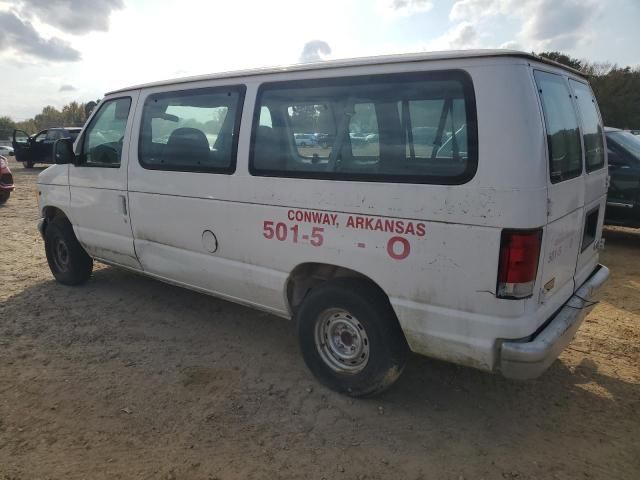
(56, 51)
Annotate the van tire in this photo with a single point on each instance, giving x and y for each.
(360, 310)
(67, 260)
(28, 164)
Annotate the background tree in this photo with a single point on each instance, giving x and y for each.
(564, 59)
(6, 127)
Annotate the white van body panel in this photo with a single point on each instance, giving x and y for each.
(98, 205)
(443, 290)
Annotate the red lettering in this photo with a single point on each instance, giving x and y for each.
(389, 225)
(393, 251)
(379, 227)
(291, 215)
(350, 223)
(281, 231)
(368, 223)
(359, 222)
(409, 230)
(399, 227)
(420, 229)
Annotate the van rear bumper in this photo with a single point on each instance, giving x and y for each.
(530, 357)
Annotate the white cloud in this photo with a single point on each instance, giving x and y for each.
(510, 45)
(314, 51)
(461, 36)
(546, 24)
(20, 36)
(72, 16)
(405, 7)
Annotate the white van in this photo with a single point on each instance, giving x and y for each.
(453, 208)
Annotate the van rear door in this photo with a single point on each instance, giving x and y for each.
(595, 178)
(565, 186)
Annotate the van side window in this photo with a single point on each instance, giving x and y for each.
(312, 126)
(412, 127)
(191, 130)
(363, 131)
(591, 126)
(563, 136)
(102, 143)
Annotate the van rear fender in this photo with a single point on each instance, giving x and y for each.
(307, 276)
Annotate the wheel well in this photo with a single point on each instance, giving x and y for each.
(49, 213)
(308, 276)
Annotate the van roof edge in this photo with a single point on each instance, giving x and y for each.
(355, 62)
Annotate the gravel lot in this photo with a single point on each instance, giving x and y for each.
(126, 377)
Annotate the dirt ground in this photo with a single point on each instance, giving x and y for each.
(126, 377)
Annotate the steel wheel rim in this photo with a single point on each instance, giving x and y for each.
(61, 255)
(342, 341)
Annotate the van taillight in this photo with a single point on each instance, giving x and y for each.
(518, 264)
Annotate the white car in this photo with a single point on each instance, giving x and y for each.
(483, 252)
(6, 151)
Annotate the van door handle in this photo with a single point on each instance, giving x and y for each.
(123, 204)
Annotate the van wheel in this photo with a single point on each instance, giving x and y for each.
(350, 337)
(27, 164)
(67, 260)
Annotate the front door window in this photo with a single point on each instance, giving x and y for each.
(102, 145)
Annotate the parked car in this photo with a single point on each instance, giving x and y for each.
(623, 199)
(325, 140)
(6, 151)
(305, 139)
(6, 180)
(33, 149)
(487, 259)
(357, 138)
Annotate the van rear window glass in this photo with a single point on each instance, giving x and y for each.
(415, 128)
(563, 136)
(191, 130)
(591, 126)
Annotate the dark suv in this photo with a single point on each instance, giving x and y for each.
(32, 149)
(623, 199)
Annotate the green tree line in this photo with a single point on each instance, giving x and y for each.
(73, 114)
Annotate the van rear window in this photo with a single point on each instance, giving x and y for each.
(414, 128)
(591, 126)
(563, 136)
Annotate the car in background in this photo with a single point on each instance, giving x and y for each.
(6, 150)
(325, 140)
(6, 180)
(305, 139)
(32, 149)
(623, 199)
(357, 138)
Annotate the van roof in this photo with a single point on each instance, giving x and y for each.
(360, 61)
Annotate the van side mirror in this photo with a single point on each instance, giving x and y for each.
(63, 152)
